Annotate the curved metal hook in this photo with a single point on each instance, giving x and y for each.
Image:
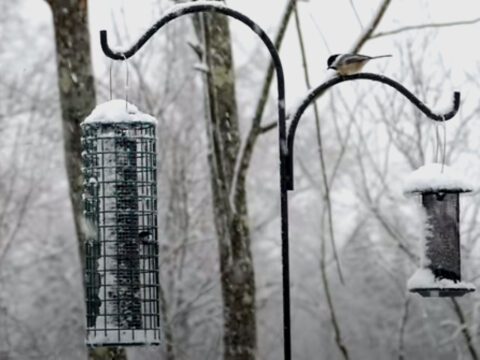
(178, 11)
(315, 93)
(213, 6)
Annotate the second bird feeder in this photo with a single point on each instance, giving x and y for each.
(121, 249)
(440, 272)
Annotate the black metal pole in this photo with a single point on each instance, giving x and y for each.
(319, 90)
(282, 134)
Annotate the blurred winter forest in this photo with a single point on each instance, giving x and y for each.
(370, 138)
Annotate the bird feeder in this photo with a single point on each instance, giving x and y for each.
(121, 249)
(440, 188)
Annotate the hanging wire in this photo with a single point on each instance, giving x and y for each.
(444, 154)
(110, 79)
(436, 149)
(440, 144)
(126, 83)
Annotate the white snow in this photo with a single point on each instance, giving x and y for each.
(443, 107)
(436, 177)
(296, 103)
(115, 111)
(201, 67)
(88, 228)
(257, 29)
(175, 9)
(123, 336)
(419, 219)
(423, 278)
(284, 147)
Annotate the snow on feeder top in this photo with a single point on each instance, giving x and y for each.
(440, 272)
(118, 111)
(436, 178)
(121, 249)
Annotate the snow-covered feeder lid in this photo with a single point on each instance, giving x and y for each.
(424, 282)
(118, 111)
(436, 178)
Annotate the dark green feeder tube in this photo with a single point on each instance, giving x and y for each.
(121, 249)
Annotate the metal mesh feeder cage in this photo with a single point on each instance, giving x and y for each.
(440, 272)
(121, 249)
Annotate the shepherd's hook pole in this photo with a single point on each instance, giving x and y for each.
(191, 8)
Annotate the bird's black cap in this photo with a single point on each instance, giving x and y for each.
(144, 234)
(331, 60)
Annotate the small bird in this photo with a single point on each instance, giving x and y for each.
(145, 237)
(349, 64)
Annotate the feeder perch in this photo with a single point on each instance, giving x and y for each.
(121, 249)
(440, 273)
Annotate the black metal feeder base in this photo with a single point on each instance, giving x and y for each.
(428, 283)
(442, 292)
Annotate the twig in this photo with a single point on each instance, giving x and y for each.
(367, 34)
(356, 14)
(268, 127)
(403, 325)
(320, 146)
(243, 158)
(424, 26)
(465, 330)
(338, 335)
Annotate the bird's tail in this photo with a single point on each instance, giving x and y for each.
(380, 56)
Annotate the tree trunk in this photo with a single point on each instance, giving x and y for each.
(231, 220)
(77, 99)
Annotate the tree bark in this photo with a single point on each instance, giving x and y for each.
(231, 220)
(77, 99)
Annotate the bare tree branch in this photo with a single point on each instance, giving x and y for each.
(367, 34)
(401, 332)
(268, 127)
(356, 14)
(424, 26)
(465, 330)
(328, 209)
(245, 154)
(326, 184)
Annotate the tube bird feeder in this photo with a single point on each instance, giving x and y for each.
(121, 250)
(440, 272)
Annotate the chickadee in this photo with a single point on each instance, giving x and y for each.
(349, 64)
(145, 237)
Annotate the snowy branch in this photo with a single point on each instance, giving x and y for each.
(246, 150)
